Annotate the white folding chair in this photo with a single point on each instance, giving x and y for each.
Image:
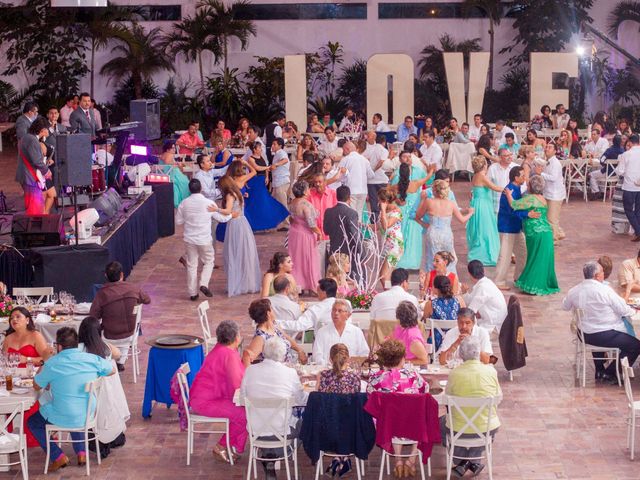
(462, 408)
(440, 326)
(610, 180)
(404, 442)
(261, 410)
(209, 340)
(584, 351)
(320, 466)
(633, 406)
(361, 320)
(576, 173)
(193, 419)
(41, 292)
(14, 442)
(134, 349)
(92, 388)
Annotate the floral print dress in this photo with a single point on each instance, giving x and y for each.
(348, 382)
(397, 380)
(394, 240)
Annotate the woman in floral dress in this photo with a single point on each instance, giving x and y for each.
(339, 379)
(391, 223)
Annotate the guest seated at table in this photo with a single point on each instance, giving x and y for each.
(338, 269)
(532, 139)
(606, 262)
(510, 144)
(600, 175)
(566, 148)
(113, 411)
(215, 384)
(445, 306)
(261, 313)
(66, 375)
(395, 378)
(283, 307)
(314, 125)
(339, 331)
(602, 324)
(384, 304)
(485, 298)
(338, 379)
(483, 147)
(409, 333)
(443, 264)
(113, 304)
(466, 328)
(280, 264)
(629, 276)
(220, 129)
(190, 141)
(475, 380)
(318, 314)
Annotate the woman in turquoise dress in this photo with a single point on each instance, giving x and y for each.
(483, 240)
(180, 180)
(539, 274)
(410, 180)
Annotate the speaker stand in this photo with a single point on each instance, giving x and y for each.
(75, 215)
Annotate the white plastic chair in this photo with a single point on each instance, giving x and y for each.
(576, 176)
(41, 292)
(320, 466)
(404, 442)
(610, 180)
(193, 419)
(134, 349)
(584, 351)
(14, 442)
(440, 326)
(461, 406)
(209, 340)
(361, 320)
(275, 427)
(92, 389)
(633, 406)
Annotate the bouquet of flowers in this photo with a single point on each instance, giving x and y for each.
(359, 299)
(6, 305)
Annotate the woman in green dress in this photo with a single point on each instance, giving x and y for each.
(483, 239)
(180, 180)
(539, 274)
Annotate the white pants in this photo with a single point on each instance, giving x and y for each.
(510, 243)
(595, 177)
(322, 255)
(123, 345)
(357, 203)
(196, 254)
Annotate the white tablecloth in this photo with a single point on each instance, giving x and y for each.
(459, 157)
(50, 329)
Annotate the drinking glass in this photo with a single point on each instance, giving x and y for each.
(54, 298)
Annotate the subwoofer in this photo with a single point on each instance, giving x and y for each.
(146, 111)
(29, 231)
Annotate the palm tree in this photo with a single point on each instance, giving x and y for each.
(191, 38)
(625, 10)
(493, 10)
(223, 24)
(332, 55)
(142, 55)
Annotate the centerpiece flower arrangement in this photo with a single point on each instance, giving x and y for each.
(360, 299)
(6, 305)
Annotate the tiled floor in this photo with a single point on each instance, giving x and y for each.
(551, 428)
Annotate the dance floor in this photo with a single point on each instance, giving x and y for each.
(551, 428)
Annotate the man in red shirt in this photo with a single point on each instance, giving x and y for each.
(189, 140)
(322, 198)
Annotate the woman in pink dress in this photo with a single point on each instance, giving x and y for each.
(410, 335)
(303, 238)
(215, 384)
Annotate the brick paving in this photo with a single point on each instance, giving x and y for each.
(551, 428)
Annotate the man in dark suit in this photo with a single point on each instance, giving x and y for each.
(31, 161)
(23, 122)
(82, 119)
(341, 224)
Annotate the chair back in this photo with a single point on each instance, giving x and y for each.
(261, 410)
(379, 330)
(93, 389)
(181, 376)
(470, 409)
(627, 374)
(40, 292)
(137, 311)
(209, 340)
(361, 319)
(12, 411)
(578, 316)
(440, 326)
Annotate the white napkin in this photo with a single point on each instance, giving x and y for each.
(83, 307)
(4, 393)
(43, 318)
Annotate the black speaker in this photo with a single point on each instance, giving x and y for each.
(29, 231)
(73, 159)
(147, 112)
(164, 202)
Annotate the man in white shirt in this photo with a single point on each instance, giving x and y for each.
(253, 135)
(485, 298)
(282, 306)
(500, 132)
(466, 328)
(498, 173)
(67, 110)
(629, 168)
(596, 145)
(195, 213)
(602, 323)
(358, 174)
(208, 177)
(384, 304)
(474, 130)
(103, 155)
(554, 189)
(347, 121)
(379, 125)
(431, 151)
(561, 118)
(330, 143)
(377, 155)
(317, 315)
(339, 331)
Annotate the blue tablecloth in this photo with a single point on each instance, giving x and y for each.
(163, 363)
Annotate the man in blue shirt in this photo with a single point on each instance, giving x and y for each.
(65, 375)
(406, 129)
(510, 229)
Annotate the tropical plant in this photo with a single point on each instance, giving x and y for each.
(190, 38)
(141, 55)
(623, 11)
(222, 24)
(493, 10)
(545, 26)
(511, 103)
(123, 95)
(353, 84)
(264, 87)
(177, 108)
(332, 104)
(331, 55)
(226, 95)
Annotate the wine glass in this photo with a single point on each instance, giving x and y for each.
(54, 298)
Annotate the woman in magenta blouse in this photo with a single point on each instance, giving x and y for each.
(410, 335)
(215, 384)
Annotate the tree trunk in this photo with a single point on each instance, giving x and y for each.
(201, 75)
(137, 85)
(93, 58)
(491, 40)
(225, 51)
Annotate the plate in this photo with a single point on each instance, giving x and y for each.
(423, 371)
(19, 390)
(173, 341)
